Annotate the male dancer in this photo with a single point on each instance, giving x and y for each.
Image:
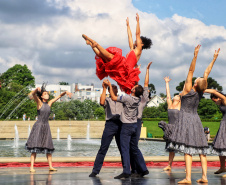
(112, 127)
(143, 102)
(128, 139)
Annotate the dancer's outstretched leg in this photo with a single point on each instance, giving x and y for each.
(49, 158)
(171, 157)
(222, 168)
(96, 51)
(204, 169)
(106, 56)
(33, 157)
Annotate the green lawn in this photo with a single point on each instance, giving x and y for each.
(152, 127)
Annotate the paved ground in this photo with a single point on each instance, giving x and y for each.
(79, 176)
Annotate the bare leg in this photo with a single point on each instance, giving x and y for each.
(106, 56)
(204, 169)
(33, 157)
(171, 156)
(188, 163)
(222, 168)
(49, 158)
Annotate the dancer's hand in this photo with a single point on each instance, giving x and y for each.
(167, 79)
(69, 94)
(137, 17)
(127, 21)
(107, 82)
(216, 53)
(39, 89)
(197, 50)
(104, 85)
(149, 64)
(136, 66)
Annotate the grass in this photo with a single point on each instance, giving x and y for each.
(152, 127)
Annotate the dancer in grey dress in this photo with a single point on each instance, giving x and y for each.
(40, 139)
(219, 142)
(188, 136)
(173, 113)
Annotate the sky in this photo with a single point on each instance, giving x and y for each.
(46, 36)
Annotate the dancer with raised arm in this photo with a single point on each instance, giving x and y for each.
(112, 127)
(110, 62)
(173, 115)
(219, 142)
(143, 102)
(188, 136)
(128, 139)
(40, 138)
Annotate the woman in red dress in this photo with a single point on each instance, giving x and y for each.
(110, 62)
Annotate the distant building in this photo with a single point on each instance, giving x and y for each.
(80, 92)
(155, 101)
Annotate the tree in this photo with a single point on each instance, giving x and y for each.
(212, 84)
(63, 83)
(162, 95)
(19, 75)
(151, 87)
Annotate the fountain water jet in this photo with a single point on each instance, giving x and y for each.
(16, 138)
(58, 134)
(69, 142)
(29, 130)
(87, 131)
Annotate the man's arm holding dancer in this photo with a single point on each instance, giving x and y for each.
(103, 95)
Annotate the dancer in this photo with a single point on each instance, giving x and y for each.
(219, 142)
(112, 128)
(110, 62)
(40, 139)
(188, 136)
(128, 139)
(173, 115)
(143, 102)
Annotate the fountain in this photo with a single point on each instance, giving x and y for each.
(58, 134)
(29, 130)
(69, 142)
(16, 138)
(87, 131)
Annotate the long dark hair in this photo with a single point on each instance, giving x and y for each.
(43, 89)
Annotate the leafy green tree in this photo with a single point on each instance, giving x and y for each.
(63, 83)
(151, 87)
(162, 95)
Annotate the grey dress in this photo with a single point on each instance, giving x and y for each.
(40, 139)
(219, 142)
(188, 136)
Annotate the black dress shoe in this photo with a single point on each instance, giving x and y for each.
(135, 175)
(122, 175)
(144, 173)
(93, 174)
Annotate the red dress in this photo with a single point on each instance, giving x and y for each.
(120, 69)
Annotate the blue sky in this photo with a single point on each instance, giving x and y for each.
(208, 11)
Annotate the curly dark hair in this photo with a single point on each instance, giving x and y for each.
(147, 43)
(43, 89)
(139, 91)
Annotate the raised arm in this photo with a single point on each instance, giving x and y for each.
(209, 68)
(138, 49)
(130, 39)
(103, 95)
(146, 81)
(168, 97)
(216, 93)
(56, 98)
(108, 83)
(188, 82)
(37, 100)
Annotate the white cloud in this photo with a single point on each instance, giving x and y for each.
(55, 50)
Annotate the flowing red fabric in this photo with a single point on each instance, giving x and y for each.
(120, 69)
(107, 164)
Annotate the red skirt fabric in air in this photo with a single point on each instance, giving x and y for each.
(120, 69)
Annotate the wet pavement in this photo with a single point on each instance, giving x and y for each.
(79, 176)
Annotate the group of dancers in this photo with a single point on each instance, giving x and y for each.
(184, 132)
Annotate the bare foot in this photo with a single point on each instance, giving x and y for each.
(168, 168)
(220, 171)
(32, 170)
(202, 181)
(224, 176)
(184, 181)
(52, 169)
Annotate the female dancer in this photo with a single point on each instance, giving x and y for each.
(173, 115)
(40, 139)
(110, 62)
(219, 143)
(188, 136)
